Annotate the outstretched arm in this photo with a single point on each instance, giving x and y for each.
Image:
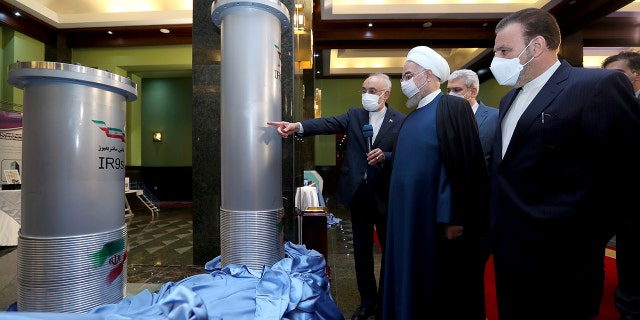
(285, 128)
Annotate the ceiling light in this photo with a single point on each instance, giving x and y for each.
(110, 32)
(370, 24)
(17, 14)
(427, 25)
(163, 30)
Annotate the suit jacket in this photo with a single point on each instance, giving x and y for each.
(574, 150)
(355, 164)
(487, 119)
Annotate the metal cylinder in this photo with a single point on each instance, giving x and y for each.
(73, 157)
(251, 164)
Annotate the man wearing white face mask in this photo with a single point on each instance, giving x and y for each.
(363, 184)
(464, 83)
(438, 201)
(565, 167)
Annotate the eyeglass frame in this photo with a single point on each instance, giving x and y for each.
(373, 91)
(409, 75)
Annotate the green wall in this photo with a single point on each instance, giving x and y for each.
(491, 92)
(134, 62)
(166, 107)
(17, 46)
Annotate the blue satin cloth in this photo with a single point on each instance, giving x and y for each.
(294, 288)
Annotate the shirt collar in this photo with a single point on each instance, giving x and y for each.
(377, 113)
(426, 100)
(474, 107)
(541, 79)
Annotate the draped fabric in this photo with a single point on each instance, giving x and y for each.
(294, 288)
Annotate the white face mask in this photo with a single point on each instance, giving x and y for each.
(370, 101)
(458, 95)
(506, 71)
(409, 87)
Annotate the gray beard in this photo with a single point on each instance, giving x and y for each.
(412, 103)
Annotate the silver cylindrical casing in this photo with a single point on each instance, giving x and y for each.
(251, 164)
(73, 148)
(73, 156)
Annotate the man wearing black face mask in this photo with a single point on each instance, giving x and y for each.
(565, 166)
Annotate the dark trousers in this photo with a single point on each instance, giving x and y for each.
(544, 268)
(365, 215)
(459, 282)
(627, 295)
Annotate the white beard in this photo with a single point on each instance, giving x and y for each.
(412, 103)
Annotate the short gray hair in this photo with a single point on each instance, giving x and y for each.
(384, 76)
(470, 77)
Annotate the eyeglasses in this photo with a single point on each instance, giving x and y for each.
(409, 75)
(372, 91)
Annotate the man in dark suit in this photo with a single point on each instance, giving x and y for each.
(464, 83)
(565, 164)
(627, 62)
(627, 230)
(363, 184)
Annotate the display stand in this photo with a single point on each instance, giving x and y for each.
(312, 231)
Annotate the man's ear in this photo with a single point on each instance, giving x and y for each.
(474, 92)
(539, 44)
(635, 76)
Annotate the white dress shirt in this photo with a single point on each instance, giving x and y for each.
(520, 104)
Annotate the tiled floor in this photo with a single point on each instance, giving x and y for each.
(161, 250)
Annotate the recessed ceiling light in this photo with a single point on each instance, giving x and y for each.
(370, 24)
(110, 32)
(17, 14)
(427, 25)
(163, 30)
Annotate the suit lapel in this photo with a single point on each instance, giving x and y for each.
(547, 94)
(386, 125)
(481, 115)
(363, 118)
(502, 111)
